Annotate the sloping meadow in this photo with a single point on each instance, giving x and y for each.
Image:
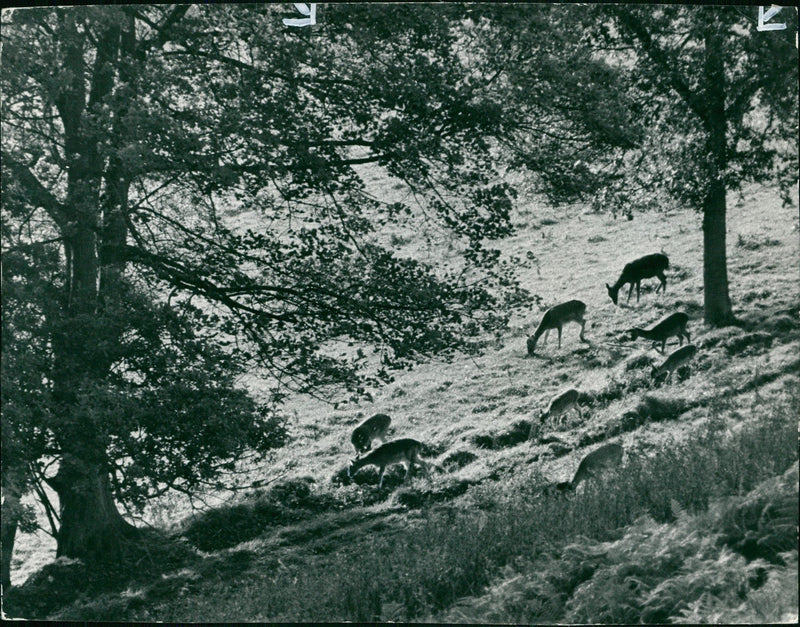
(695, 519)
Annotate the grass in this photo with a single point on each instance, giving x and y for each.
(724, 546)
(335, 549)
(627, 548)
(453, 554)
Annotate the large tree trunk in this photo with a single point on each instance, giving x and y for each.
(91, 526)
(718, 311)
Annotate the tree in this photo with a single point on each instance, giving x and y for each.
(633, 107)
(182, 200)
(720, 100)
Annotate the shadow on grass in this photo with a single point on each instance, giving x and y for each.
(285, 503)
(63, 581)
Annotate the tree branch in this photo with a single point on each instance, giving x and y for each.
(662, 60)
(36, 193)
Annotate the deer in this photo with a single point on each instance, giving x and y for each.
(555, 318)
(638, 269)
(403, 451)
(604, 458)
(559, 406)
(677, 359)
(673, 325)
(373, 428)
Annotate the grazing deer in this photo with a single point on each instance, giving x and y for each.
(555, 318)
(676, 359)
(404, 451)
(373, 428)
(558, 407)
(604, 458)
(673, 325)
(642, 268)
(563, 403)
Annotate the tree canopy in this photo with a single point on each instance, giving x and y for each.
(182, 200)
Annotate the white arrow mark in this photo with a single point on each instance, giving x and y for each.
(305, 9)
(763, 18)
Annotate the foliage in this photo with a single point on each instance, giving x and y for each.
(182, 203)
(669, 163)
(570, 110)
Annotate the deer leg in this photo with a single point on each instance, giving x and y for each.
(638, 287)
(663, 280)
(559, 336)
(583, 325)
(630, 291)
(544, 339)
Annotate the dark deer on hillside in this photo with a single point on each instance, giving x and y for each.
(555, 318)
(403, 451)
(673, 325)
(642, 268)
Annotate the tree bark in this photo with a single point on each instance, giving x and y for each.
(91, 526)
(717, 302)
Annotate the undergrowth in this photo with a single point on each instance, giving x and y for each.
(630, 547)
(650, 542)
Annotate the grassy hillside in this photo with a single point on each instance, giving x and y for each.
(705, 484)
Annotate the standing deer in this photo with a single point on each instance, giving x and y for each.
(604, 458)
(403, 451)
(555, 318)
(642, 268)
(676, 359)
(673, 325)
(371, 429)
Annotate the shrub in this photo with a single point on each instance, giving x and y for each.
(292, 492)
(737, 345)
(638, 362)
(783, 323)
(518, 432)
(764, 524)
(658, 408)
(754, 242)
(286, 502)
(52, 587)
(459, 459)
